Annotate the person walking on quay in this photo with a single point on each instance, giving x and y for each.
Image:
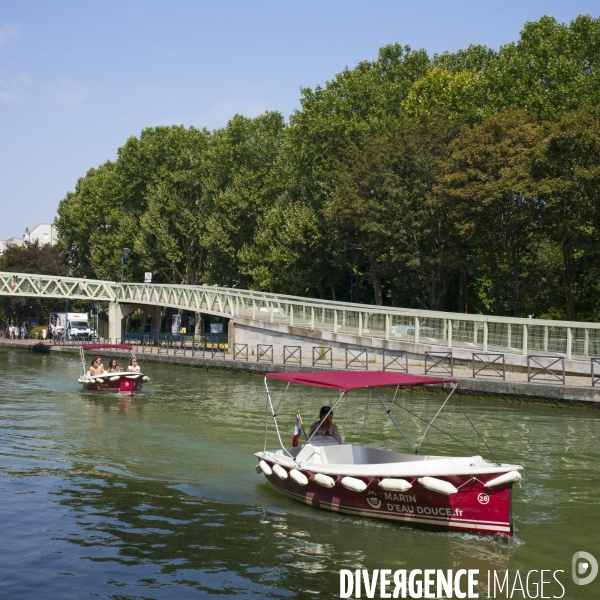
(44, 334)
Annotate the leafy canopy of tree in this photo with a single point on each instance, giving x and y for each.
(466, 178)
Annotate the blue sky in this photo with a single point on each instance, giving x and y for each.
(77, 78)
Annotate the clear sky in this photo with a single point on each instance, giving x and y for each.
(77, 78)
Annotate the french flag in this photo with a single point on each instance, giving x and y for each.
(297, 431)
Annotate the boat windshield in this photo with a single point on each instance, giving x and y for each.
(79, 324)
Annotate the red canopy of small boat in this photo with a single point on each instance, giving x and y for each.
(351, 380)
(103, 346)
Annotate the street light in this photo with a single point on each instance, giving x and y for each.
(124, 257)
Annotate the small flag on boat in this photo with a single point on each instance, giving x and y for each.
(297, 430)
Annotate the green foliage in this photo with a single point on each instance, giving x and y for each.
(420, 178)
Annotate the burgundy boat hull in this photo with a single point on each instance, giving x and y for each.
(472, 509)
(123, 385)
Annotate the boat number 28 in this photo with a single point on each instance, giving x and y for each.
(483, 498)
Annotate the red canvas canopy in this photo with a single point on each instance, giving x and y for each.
(351, 380)
(103, 346)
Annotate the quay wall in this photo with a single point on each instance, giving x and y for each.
(575, 395)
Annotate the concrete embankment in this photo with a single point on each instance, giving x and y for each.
(578, 391)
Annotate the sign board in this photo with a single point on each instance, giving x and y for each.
(147, 277)
(175, 324)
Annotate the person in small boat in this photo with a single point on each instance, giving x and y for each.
(328, 428)
(96, 368)
(133, 366)
(113, 367)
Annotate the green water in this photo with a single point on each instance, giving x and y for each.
(157, 497)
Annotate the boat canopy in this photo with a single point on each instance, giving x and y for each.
(103, 346)
(351, 380)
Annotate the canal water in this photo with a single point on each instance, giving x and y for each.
(157, 497)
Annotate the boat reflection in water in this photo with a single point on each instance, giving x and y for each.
(443, 492)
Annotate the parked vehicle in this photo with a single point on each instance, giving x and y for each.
(75, 325)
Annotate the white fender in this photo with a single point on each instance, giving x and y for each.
(280, 472)
(395, 485)
(265, 467)
(80, 380)
(353, 484)
(510, 477)
(131, 376)
(115, 378)
(324, 480)
(299, 477)
(438, 485)
(145, 378)
(257, 469)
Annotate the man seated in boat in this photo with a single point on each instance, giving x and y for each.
(326, 429)
(96, 368)
(133, 366)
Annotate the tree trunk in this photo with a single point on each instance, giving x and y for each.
(569, 264)
(461, 290)
(376, 279)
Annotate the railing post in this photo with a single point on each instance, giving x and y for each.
(334, 320)
(449, 333)
(416, 330)
(312, 317)
(343, 318)
(291, 315)
(485, 336)
(387, 327)
(546, 338)
(586, 342)
(524, 340)
(508, 336)
(475, 332)
(569, 342)
(360, 324)
(253, 308)
(272, 311)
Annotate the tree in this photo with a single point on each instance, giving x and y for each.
(567, 171)
(491, 201)
(31, 258)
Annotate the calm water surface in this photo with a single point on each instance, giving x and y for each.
(157, 497)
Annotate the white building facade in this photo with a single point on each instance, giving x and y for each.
(44, 233)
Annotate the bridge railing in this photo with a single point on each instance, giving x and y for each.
(479, 333)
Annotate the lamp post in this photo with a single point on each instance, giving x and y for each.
(124, 257)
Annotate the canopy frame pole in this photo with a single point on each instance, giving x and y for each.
(436, 414)
(362, 433)
(82, 361)
(394, 397)
(394, 422)
(325, 417)
(287, 387)
(270, 403)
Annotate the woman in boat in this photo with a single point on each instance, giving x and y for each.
(327, 428)
(133, 366)
(113, 367)
(96, 368)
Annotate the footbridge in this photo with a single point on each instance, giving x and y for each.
(278, 320)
